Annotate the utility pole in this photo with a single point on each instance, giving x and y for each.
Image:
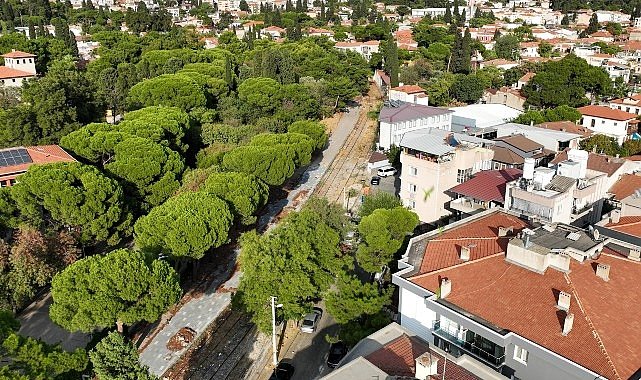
(274, 344)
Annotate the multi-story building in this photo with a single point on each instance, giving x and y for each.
(18, 66)
(610, 122)
(409, 94)
(397, 118)
(630, 104)
(366, 49)
(433, 161)
(553, 302)
(551, 136)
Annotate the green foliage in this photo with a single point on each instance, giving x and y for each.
(378, 200)
(439, 89)
(330, 213)
(8, 210)
(296, 262)
(115, 358)
(271, 165)
(391, 60)
(149, 170)
(507, 47)
(353, 331)
(313, 129)
(228, 134)
(37, 360)
(559, 113)
(75, 196)
(169, 90)
(467, 88)
(601, 144)
(565, 82)
(185, 226)
(212, 156)
(245, 193)
(165, 125)
(383, 232)
(352, 298)
(123, 286)
(297, 146)
(260, 95)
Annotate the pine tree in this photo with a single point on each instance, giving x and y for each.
(299, 6)
(463, 18)
(32, 29)
(448, 13)
(456, 17)
(277, 19)
(565, 20)
(322, 11)
(41, 28)
(391, 60)
(289, 6)
(457, 54)
(466, 52)
(497, 35)
(477, 13)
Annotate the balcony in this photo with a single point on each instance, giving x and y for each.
(469, 346)
(466, 206)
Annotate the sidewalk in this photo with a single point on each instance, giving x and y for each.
(201, 312)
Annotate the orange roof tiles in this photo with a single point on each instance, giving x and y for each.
(625, 186)
(409, 89)
(43, 154)
(526, 78)
(566, 126)
(630, 225)
(598, 162)
(8, 73)
(522, 301)
(481, 235)
(606, 113)
(18, 54)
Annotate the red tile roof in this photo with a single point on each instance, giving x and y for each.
(630, 225)
(409, 89)
(18, 54)
(43, 154)
(625, 186)
(488, 185)
(604, 337)
(397, 358)
(526, 78)
(480, 235)
(598, 162)
(606, 113)
(8, 73)
(566, 126)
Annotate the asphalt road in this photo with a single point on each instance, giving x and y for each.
(308, 352)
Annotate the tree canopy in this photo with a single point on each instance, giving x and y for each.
(272, 165)
(378, 200)
(245, 193)
(123, 286)
(313, 129)
(115, 358)
(185, 226)
(76, 196)
(297, 146)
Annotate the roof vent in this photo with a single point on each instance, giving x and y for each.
(635, 254)
(446, 287)
(564, 301)
(615, 216)
(603, 271)
(574, 236)
(426, 366)
(567, 324)
(504, 231)
(465, 253)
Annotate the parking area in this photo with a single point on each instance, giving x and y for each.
(389, 184)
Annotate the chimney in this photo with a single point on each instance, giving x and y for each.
(564, 301)
(635, 254)
(465, 253)
(446, 287)
(426, 366)
(567, 324)
(603, 271)
(503, 231)
(615, 216)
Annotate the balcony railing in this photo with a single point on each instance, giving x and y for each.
(468, 347)
(466, 205)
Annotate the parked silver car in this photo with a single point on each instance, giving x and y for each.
(310, 322)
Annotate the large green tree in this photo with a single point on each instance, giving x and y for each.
(299, 147)
(271, 165)
(313, 129)
(259, 96)
(383, 232)
(185, 226)
(507, 47)
(74, 196)
(352, 298)
(245, 193)
(115, 358)
(120, 288)
(378, 200)
(170, 90)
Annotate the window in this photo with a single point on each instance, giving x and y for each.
(602, 121)
(520, 354)
(13, 80)
(411, 204)
(463, 175)
(412, 188)
(413, 171)
(615, 123)
(592, 123)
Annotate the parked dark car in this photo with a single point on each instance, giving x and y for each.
(283, 371)
(337, 352)
(375, 180)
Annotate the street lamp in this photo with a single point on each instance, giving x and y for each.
(274, 345)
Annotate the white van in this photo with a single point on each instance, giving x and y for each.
(386, 171)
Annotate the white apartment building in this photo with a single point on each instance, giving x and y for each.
(409, 94)
(630, 104)
(366, 49)
(397, 118)
(610, 122)
(18, 67)
(526, 302)
(433, 161)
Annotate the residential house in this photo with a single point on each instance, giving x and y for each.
(366, 49)
(395, 352)
(500, 63)
(569, 127)
(626, 195)
(433, 161)
(529, 49)
(610, 122)
(519, 148)
(484, 191)
(18, 67)
(603, 36)
(551, 138)
(630, 104)
(552, 302)
(506, 96)
(273, 32)
(382, 81)
(525, 79)
(210, 42)
(15, 161)
(397, 118)
(409, 94)
(319, 32)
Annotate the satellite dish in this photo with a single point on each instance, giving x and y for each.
(595, 234)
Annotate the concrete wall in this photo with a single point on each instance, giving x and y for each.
(626, 107)
(612, 128)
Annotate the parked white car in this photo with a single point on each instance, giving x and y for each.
(310, 322)
(386, 171)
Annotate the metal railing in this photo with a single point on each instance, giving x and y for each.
(444, 331)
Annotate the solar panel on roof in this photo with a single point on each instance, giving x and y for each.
(574, 236)
(13, 157)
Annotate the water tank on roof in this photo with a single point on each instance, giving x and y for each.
(528, 168)
(580, 156)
